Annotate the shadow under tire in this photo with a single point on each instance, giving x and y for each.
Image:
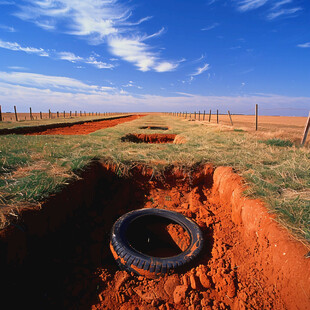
(132, 260)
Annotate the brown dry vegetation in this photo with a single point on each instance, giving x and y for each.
(282, 127)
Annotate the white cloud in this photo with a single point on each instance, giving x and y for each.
(214, 25)
(7, 28)
(247, 5)
(275, 7)
(99, 21)
(135, 51)
(47, 82)
(13, 46)
(132, 84)
(200, 70)
(282, 12)
(18, 68)
(91, 60)
(165, 66)
(304, 45)
(69, 56)
(280, 3)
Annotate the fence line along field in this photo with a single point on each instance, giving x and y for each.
(281, 127)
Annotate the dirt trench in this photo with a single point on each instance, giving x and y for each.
(57, 256)
(149, 138)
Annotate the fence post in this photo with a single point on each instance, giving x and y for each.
(15, 111)
(199, 115)
(64, 114)
(1, 119)
(217, 116)
(186, 115)
(256, 116)
(204, 114)
(30, 113)
(307, 127)
(195, 114)
(230, 118)
(41, 117)
(210, 116)
(57, 114)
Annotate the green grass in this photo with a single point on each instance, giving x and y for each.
(33, 167)
(278, 142)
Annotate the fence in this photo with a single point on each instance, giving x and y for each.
(215, 117)
(30, 116)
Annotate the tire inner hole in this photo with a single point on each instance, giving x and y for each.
(157, 236)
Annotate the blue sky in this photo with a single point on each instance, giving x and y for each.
(108, 55)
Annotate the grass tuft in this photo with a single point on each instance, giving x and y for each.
(277, 142)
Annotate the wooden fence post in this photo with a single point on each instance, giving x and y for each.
(15, 111)
(307, 127)
(41, 117)
(199, 115)
(256, 116)
(210, 116)
(217, 116)
(49, 114)
(64, 114)
(195, 114)
(31, 116)
(231, 122)
(204, 114)
(1, 119)
(57, 114)
(185, 114)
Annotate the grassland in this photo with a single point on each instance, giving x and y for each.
(34, 167)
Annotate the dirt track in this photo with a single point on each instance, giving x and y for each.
(86, 128)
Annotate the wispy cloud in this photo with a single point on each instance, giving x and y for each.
(214, 25)
(7, 28)
(105, 21)
(283, 12)
(48, 82)
(18, 68)
(201, 70)
(91, 60)
(13, 46)
(247, 5)
(132, 84)
(304, 45)
(275, 8)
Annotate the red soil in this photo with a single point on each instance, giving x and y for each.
(248, 260)
(86, 128)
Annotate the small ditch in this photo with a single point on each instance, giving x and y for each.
(151, 138)
(58, 256)
(154, 127)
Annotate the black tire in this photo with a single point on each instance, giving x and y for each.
(139, 263)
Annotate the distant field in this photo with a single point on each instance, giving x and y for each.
(282, 127)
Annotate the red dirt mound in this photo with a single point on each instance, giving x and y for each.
(85, 128)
